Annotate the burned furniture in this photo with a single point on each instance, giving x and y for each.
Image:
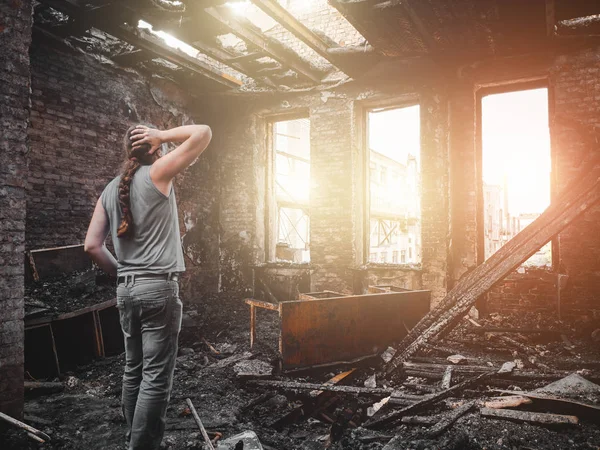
(328, 328)
(69, 318)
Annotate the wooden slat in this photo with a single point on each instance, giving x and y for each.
(261, 304)
(329, 330)
(531, 417)
(578, 197)
(272, 48)
(294, 26)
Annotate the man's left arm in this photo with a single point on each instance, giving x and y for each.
(94, 241)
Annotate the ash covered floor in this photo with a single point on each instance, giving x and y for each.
(86, 414)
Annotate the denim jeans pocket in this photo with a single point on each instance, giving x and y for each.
(155, 302)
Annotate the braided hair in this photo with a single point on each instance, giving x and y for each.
(135, 158)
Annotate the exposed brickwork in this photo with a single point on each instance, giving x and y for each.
(15, 38)
(463, 180)
(331, 197)
(577, 98)
(533, 290)
(435, 214)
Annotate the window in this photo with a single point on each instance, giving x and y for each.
(291, 187)
(516, 165)
(394, 184)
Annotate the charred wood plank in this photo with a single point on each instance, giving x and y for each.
(293, 385)
(530, 417)
(512, 401)
(449, 419)
(577, 198)
(395, 416)
(297, 28)
(271, 47)
(563, 405)
(447, 378)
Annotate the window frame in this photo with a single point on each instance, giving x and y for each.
(484, 90)
(367, 108)
(271, 209)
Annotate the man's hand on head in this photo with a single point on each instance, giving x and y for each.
(143, 135)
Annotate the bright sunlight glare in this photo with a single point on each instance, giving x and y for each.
(169, 40)
(516, 148)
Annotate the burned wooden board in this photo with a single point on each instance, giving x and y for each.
(53, 262)
(330, 330)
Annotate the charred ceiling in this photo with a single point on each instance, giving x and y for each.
(211, 46)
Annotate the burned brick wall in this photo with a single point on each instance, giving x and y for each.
(15, 38)
(80, 112)
(575, 136)
(527, 289)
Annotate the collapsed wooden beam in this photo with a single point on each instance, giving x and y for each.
(271, 48)
(294, 26)
(577, 198)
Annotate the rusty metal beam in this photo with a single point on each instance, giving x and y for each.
(297, 28)
(271, 48)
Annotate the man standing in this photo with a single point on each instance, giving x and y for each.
(139, 210)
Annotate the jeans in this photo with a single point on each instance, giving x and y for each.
(150, 313)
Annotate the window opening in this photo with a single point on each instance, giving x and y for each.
(516, 166)
(394, 185)
(291, 142)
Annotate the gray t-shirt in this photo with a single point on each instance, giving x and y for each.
(155, 246)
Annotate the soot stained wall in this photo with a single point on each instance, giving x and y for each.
(15, 37)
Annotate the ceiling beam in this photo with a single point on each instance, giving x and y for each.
(188, 32)
(111, 23)
(294, 26)
(133, 58)
(271, 48)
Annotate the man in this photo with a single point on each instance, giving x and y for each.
(139, 209)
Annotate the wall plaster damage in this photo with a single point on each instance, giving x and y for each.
(435, 341)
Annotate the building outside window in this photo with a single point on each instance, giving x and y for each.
(394, 185)
(291, 187)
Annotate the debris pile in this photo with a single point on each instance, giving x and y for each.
(471, 389)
